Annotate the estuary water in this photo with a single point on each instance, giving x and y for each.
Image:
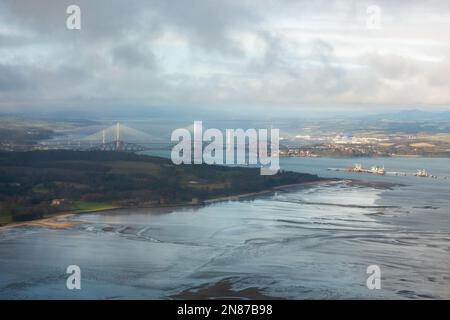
(307, 242)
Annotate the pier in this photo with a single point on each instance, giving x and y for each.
(422, 173)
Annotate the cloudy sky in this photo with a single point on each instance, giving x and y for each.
(227, 54)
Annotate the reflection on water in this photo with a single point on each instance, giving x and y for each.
(306, 242)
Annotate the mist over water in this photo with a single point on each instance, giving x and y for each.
(312, 241)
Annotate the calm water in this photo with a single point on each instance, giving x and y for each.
(308, 242)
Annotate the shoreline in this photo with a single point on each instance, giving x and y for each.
(51, 221)
(257, 193)
(429, 156)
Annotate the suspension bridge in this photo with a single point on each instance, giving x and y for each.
(117, 137)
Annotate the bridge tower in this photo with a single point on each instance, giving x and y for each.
(117, 136)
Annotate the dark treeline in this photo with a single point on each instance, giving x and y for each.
(24, 135)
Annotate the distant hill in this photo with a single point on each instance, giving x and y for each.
(414, 115)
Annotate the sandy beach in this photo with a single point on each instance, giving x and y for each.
(52, 222)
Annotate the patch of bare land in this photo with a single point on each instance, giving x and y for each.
(222, 290)
(373, 184)
(58, 222)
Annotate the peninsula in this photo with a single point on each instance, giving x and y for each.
(38, 184)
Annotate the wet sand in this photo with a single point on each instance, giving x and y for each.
(58, 221)
(258, 193)
(373, 184)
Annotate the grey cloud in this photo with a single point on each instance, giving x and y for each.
(393, 66)
(13, 41)
(439, 75)
(206, 23)
(14, 79)
(209, 23)
(132, 55)
(30, 82)
(115, 58)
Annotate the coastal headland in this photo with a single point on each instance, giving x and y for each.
(46, 184)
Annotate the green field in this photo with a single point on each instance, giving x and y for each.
(81, 207)
(5, 217)
(86, 207)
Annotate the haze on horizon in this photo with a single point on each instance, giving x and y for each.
(263, 56)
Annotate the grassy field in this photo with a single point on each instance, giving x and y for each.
(81, 207)
(5, 217)
(86, 207)
(440, 137)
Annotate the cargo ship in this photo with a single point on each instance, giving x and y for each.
(422, 173)
(358, 168)
(373, 169)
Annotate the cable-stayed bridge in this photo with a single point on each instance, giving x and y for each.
(117, 137)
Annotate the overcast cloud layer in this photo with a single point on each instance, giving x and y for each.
(224, 54)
